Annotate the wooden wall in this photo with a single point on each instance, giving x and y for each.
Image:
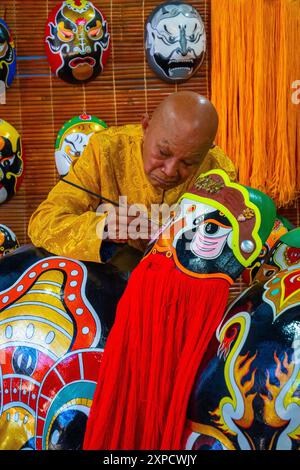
(38, 103)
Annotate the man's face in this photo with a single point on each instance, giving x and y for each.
(171, 155)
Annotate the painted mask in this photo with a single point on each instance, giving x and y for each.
(73, 138)
(219, 227)
(7, 55)
(8, 240)
(55, 316)
(11, 161)
(77, 41)
(175, 41)
(285, 254)
(281, 226)
(245, 396)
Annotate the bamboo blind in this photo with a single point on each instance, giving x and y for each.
(38, 103)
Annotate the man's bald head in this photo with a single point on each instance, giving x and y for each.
(192, 111)
(177, 137)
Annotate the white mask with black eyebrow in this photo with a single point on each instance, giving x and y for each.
(175, 41)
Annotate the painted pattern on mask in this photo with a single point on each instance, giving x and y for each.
(246, 395)
(77, 41)
(207, 234)
(73, 138)
(175, 41)
(7, 55)
(49, 362)
(8, 240)
(11, 161)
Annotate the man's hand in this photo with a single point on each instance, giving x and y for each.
(121, 226)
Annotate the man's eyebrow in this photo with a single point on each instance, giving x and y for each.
(164, 142)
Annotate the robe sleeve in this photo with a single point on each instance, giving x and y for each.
(66, 223)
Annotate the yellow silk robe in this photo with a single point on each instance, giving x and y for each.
(66, 223)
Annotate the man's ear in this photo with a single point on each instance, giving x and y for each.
(145, 121)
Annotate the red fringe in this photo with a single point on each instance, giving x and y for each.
(163, 325)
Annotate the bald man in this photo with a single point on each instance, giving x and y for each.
(150, 163)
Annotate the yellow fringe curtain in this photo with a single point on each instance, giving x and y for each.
(255, 62)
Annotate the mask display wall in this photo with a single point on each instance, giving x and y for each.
(246, 395)
(73, 138)
(55, 316)
(11, 161)
(175, 41)
(8, 241)
(7, 55)
(77, 41)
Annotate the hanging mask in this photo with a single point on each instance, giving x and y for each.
(8, 240)
(7, 55)
(11, 161)
(73, 138)
(175, 41)
(77, 41)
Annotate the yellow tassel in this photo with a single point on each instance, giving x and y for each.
(255, 60)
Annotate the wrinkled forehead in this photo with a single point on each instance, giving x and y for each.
(191, 24)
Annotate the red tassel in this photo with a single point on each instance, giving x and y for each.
(163, 325)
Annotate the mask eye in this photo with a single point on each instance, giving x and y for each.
(96, 32)
(64, 34)
(213, 228)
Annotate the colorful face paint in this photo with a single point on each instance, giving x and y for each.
(11, 161)
(7, 55)
(73, 138)
(245, 395)
(8, 240)
(77, 41)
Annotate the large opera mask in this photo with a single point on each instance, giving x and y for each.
(175, 41)
(218, 228)
(77, 41)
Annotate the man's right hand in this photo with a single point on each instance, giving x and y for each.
(121, 227)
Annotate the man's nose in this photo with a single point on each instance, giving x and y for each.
(171, 169)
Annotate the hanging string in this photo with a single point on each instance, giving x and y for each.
(145, 65)
(51, 104)
(254, 63)
(84, 99)
(113, 63)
